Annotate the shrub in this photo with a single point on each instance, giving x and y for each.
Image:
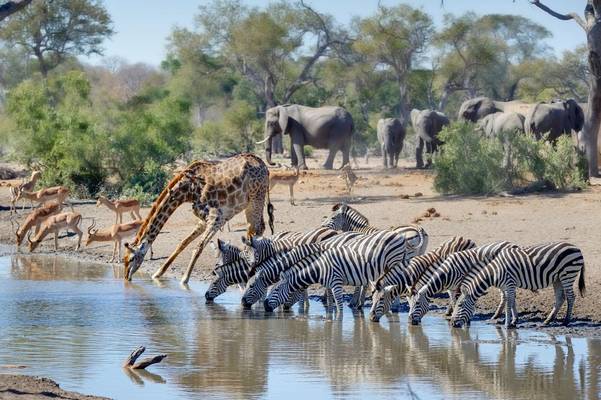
(470, 163)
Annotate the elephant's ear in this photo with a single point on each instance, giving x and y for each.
(578, 117)
(284, 118)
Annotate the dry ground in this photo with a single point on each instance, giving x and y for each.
(381, 196)
(22, 387)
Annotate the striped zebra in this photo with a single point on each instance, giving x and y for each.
(346, 219)
(399, 280)
(255, 250)
(449, 275)
(230, 268)
(359, 262)
(268, 272)
(534, 267)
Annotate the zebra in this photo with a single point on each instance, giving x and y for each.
(268, 272)
(231, 267)
(449, 275)
(359, 262)
(348, 219)
(534, 267)
(400, 279)
(256, 250)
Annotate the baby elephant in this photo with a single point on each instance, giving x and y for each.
(391, 134)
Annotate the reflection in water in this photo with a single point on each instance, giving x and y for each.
(77, 322)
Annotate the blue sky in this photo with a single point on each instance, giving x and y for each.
(142, 26)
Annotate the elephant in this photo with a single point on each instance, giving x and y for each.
(323, 128)
(391, 133)
(556, 118)
(427, 124)
(477, 108)
(494, 124)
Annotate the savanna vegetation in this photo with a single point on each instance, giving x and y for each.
(115, 127)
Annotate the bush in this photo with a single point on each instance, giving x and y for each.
(470, 163)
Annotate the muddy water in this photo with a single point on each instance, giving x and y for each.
(76, 322)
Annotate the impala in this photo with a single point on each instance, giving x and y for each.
(115, 234)
(35, 219)
(54, 224)
(42, 196)
(121, 206)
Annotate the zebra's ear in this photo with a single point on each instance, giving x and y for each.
(245, 241)
(413, 291)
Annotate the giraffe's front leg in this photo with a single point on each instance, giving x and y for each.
(214, 223)
(180, 247)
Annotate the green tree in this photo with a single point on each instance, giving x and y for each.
(52, 31)
(395, 38)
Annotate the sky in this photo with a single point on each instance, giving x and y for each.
(142, 26)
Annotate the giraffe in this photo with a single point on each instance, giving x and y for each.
(218, 190)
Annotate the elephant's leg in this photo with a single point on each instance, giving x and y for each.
(293, 157)
(346, 151)
(329, 164)
(300, 155)
(384, 156)
(419, 149)
(430, 148)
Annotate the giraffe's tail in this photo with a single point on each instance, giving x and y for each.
(270, 209)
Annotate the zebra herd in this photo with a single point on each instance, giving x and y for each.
(346, 251)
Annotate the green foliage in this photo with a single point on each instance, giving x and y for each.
(236, 132)
(58, 127)
(52, 31)
(470, 163)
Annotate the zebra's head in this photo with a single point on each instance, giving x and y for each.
(225, 253)
(256, 287)
(464, 311)
(278, 295)
(218, 285)
(418, 307)
(254, 248)
(381, 301)
(345, 218)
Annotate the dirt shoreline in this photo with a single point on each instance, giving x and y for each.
(382, 196)
(25, 387)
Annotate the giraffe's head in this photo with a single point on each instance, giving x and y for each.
(134, 256)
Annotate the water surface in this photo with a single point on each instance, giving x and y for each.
(77, 322)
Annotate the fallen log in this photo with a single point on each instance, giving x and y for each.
(130, 362)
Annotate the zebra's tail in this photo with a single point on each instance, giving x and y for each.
(581, 284)
(420, 233)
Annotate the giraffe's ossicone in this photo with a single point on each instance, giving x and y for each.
(218, 190)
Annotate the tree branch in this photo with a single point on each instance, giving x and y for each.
(11, 7)
(563, 17)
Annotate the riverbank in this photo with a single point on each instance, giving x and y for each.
(23, 387)
(390, 198)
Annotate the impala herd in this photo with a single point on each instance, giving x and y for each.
(49, 217)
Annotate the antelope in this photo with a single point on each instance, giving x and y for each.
(121, 206)
(284, 177)
(23, 186)
(116, 234)
(42, 196)
(36, 218)
(349, 177)
(54, 224)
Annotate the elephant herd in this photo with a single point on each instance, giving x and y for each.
(332, 128)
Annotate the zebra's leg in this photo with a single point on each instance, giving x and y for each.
(453, 296)
(354, 303)
(327, 294)
(306, 301)
(500, 307)
(338, 294)
(510, 318)
(559, 299)
(362, 297)
(568, 292)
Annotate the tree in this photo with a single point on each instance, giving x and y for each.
(395, 38)
(591, 24)
(52, 31)
(10, 7)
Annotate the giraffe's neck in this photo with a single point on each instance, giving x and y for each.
(157, 220)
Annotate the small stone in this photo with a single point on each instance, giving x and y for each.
(418, 194)
(436, 215)
(484, 212)
(431, 210)
(404, 196)
(494, 213)
(417, 220)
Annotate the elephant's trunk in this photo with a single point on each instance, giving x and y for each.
(267, 142)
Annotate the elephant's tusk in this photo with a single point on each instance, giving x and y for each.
(263, 141)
